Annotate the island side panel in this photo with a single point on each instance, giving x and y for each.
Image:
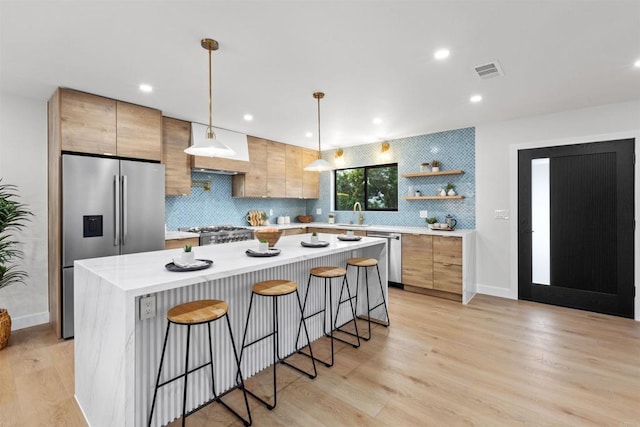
(468, 267)
(100, 349)
(236, 290)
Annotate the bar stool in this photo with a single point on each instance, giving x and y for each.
(191, 314)
(327, 273)
(367, 263)
(274, 289)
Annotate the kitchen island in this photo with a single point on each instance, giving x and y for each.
(117, 354)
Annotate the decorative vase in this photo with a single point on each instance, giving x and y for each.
(314, 239)
(443, 192)
(263, 246)
(5, 328)
(435, 169)
(188, 257)
(451, 192)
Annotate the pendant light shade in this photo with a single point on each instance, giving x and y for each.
(209, 146)
(319, 165)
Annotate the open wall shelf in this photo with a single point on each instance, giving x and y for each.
(418, 174)
(431, 197)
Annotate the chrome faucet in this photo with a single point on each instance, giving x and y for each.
(358, 207)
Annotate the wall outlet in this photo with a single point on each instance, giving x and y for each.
(501, 214)
(424, 214)
(270, 212)
(319, 211)
(147, 307)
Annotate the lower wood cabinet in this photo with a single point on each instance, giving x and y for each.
(447, 264)
(417, 260)
(181, 243)
(334, 231)
(294, 231)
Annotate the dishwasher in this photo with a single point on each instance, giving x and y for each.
(394, 256)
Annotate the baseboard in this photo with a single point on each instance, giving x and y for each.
(495, 291)
(30, 320)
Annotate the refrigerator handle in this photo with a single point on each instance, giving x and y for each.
(125, 212)
(116, 208)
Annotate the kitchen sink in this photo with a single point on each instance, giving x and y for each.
(353, 225)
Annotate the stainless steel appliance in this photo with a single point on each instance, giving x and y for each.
(394, 257)
(109, 207)
(215, 234)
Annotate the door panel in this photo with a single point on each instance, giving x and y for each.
(586, 246)
(142, 207)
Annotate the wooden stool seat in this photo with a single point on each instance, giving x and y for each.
(199, 311)
(271, 288)
(362, 262)
(328, 272)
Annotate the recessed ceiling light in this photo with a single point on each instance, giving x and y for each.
(441, 54)
(476, 98)
(377, 121)
(248, 117)
(637, 63)
(145, 88)
(308, 134)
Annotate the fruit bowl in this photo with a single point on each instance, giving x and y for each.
(271, 235)
(305, 218)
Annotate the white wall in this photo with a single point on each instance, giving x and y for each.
(496, 180)
(23, 162)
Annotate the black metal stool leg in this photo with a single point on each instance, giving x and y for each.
(155, 393)
(384, 301)
(304, 318)
(186, 372)
(350, 298)
(244, 392)
(213, 380)
(244, 336)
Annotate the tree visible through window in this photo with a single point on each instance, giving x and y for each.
(375, 187)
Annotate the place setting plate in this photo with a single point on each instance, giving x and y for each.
(346, 238)
(270, 252)
(200, 264)
(318, 244)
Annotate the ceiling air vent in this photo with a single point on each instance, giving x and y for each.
(489, 70)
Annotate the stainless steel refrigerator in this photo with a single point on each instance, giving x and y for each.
(109, 207)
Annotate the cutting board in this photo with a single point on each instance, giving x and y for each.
(255, 217)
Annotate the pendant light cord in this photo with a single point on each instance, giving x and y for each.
(210, 96)
(319, 146)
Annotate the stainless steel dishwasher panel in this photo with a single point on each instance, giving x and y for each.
(394, 256)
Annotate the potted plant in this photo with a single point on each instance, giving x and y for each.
(264, 218)
(188, 256)
(431, 221)
(263, 245)
(13, 216)
(314, 237)
(450, 188)
(435, 165)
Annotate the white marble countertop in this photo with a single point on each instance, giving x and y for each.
(145, 273)
(373, 227)
(173, 235)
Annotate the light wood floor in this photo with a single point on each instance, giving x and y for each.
(494, 362)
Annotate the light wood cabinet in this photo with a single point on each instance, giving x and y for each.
(334, 231)
(181, 243)
(254, 182)
(176, 136)
(447, 264)
(139, 131)
(417, 260)
(310, 180)
(276, 168)
(293, 231)
(96, 125)
(87, 122)
(293, 171)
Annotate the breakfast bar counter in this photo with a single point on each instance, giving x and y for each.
(117, 354)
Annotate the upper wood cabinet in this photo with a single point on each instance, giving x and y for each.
(176, 135)
(98, 125)
(276, 169)
(310, 180)
(139, 131)
(254, 182)
(87, 122)
(293, 173)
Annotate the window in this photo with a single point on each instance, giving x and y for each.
(379, 194)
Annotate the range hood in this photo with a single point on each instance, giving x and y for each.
(238, 162)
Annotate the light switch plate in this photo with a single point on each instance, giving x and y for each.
(147, 307)
(424, 214)
(501, 214)
(319, 211)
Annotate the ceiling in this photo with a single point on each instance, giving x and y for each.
(373, 59)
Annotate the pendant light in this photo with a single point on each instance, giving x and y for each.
(319, 165)
(209, 146)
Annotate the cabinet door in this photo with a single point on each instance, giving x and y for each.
(276, 158)
(293, 231)
(181, 243)
(447, 277)
(139, 131)
(310, 180)
(87, 123)
(417, 260)
(176, 135)
(293, 173)
(254, 182)
(447, 250)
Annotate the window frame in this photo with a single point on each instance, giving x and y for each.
(365, 189)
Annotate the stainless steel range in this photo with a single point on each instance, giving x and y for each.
(215, 234)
